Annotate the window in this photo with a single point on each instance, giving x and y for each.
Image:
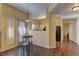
(21, 30)
(10, 31)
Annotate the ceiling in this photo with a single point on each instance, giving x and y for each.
(39, 9)
(35, 9)
(65, 9)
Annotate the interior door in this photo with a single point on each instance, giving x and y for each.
(58, 33)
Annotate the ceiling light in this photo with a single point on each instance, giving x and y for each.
(27, 20)
(76, 8)
(41, 17)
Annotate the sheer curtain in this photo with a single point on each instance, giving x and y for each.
(10, 31)
(21, 30)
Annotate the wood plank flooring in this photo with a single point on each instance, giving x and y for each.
(64, 49)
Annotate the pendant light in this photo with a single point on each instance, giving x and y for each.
(76, 8)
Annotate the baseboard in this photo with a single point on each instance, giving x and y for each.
(41, 45)
(44, 46)
(74, 42)
(8, 49)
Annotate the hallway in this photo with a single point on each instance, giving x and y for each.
(65, 49)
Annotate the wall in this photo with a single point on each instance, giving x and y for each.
(54, 21)
(8, 11)
(70, 27)
(77, 30)
(0, 26)
(58, 21)
(72, 31)
(52, 30)
(47, 38)
(66, 29)
(41, 38)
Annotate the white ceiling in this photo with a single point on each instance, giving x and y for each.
(35, 9)
(39, 9)
(65, 9)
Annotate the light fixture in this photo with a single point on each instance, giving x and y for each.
(41, 17)
(27, 21)
(76, 8)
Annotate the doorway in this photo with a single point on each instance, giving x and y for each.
(58, 33)
(58, 36)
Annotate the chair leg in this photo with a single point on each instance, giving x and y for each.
(28, 50)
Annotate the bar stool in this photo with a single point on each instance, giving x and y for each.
(28, 46)
(23, 45)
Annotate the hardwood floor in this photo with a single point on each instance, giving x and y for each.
(65, 49)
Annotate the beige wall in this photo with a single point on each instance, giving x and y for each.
(10, 11)
(72, 31)
(53, 22)
(52, 30)
(58, 21)
(47, 38)
(41, 38)
(77, 30)
(70, 27)
(50, 35)
(66, 29)
(0, 26)
(6, 12)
